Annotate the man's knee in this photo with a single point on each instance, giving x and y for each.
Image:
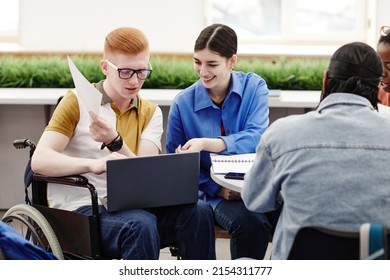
(204, 208)
(142, 222)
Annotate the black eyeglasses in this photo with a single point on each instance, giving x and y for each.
(127, 73)
(385, 30)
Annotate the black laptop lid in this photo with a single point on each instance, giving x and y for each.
(152, 181)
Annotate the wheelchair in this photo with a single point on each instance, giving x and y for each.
(66, 234)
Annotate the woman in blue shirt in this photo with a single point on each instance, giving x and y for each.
(224, 112)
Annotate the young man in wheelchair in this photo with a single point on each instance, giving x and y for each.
(128, 126)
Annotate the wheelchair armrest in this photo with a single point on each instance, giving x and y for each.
(72, 180)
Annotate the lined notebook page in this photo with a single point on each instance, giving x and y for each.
(223, 164)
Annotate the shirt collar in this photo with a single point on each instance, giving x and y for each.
(235, 85)
(202, 99)
(344, 98)
(106, 99)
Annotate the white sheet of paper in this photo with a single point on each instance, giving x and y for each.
(89, 96)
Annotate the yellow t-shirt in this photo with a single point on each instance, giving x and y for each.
(129, 123)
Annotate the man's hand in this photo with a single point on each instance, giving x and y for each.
(101, 130)
(99, 166)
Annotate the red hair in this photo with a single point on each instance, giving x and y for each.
(125, 40)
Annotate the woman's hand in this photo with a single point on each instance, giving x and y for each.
(228, 194)
(192, 145)
(213, 145)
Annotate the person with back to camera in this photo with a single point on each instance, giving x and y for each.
(225, 112)
(129, 126)
(329, 166)
(383, 49)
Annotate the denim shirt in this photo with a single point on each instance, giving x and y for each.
(244, 114)
(328, 167)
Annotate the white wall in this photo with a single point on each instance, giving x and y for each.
(170, 25)
(81, 25)
(382, 13)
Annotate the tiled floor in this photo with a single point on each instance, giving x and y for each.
(222, 248)
(222, 251)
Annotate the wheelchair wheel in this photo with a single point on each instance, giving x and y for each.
(34, 227)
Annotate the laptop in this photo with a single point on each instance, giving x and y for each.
(152, 181)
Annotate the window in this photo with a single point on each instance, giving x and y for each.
(9, 20)
(293, 21)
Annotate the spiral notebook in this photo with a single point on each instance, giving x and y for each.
(223, 164)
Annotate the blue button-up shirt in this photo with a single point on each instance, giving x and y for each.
(244, 115)
(328, 167)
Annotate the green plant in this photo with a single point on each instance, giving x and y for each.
(296, 74)
(171, 73)
(168, 72)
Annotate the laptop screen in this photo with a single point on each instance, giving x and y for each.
(152, 181)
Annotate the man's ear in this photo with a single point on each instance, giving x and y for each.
(104, 67)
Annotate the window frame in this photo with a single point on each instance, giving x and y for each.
(290, 36)
(10, 35)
